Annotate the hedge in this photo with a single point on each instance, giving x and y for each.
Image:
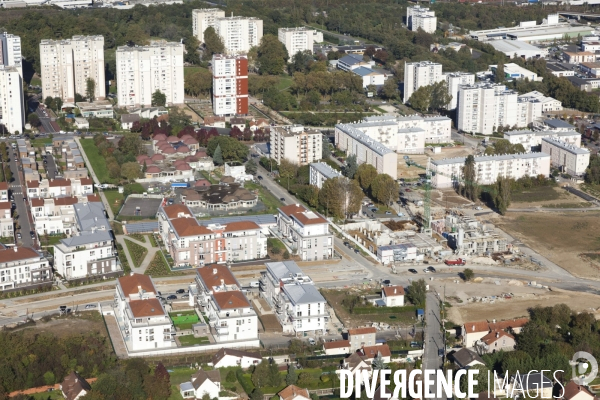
(384, 310)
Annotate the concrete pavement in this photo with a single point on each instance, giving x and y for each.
(146, 262)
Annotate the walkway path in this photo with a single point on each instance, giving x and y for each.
(147, 260)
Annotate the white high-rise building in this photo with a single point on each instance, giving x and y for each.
(10, 56)
(421, 17)
(484, 106)
(239, 34)
(454, 80)
(67, 64)
(12, 111)
(299, 39)
(203, 18)
(142, 70)
(417, 74)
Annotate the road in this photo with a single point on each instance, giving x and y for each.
(468, 141)
(17, 189)
(434, 340)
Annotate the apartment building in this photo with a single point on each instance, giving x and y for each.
(297, 303)
(437, 129)
(10, 54)
(448, 172)
(142, 70)
(417, 74)
(483, 107)
(320, 172)
(361, 337)
(57, 215)
(22, 267)
(307, 231)
(6, 220)
(454, 81)
(230, 85)
(366, 149)
(143, 321)
(191, 243)
(532, 140)
(547, 104)
(570, 159)
(239, 34)
(296, 144)
(299, 39)
(230, 315)
(418, 17)
(67, 64)
(12, 109)
(53, 188)
(203, 18)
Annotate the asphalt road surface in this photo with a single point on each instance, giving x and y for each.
(434, 340)
(18, 190)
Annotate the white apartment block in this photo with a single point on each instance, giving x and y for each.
(143, 321)
(308, 232)
(53, 188)
(56, 215)
(532, 140)
(320, 172)
(411, 140)
(547, 103)
(437, 129)
(66, 65)
(230, 315)
(12, 109)
(483, 107)
(296, 144)
(454, 80)
(448, 172)
(203, 18)
(142, 70)
(570, 159)
(297, 303)
(239, 34)
(417, 74)
(366, 149)
(21, 267)
(299, 39)
(421, 17)
(230, 84)
(11, 52)
(6, 220)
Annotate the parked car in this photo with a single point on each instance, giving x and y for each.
(401, 214)
(414, 344)
(282, 199)
(386, 282)
(426, 270)
(357, 251)
(180, 291)
(412, 270)
(478, 208)
(18, 236)
(311, 341)
(388, 213)
(259, 178)
(88, 306)
(171, 201)
(431, 269)
(172, 297)
(441, 352)
(32, 233)
(374, 209)
(185, 296)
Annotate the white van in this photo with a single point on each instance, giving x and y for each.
(254, 284)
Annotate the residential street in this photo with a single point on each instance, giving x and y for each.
(18, 190)
(434, 340)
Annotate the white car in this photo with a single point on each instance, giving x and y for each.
(311, 341)
(401, 214)
(478, 208)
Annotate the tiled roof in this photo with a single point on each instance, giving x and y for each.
(73, 385)
(362, 331)
(37, 202)
(86, 181)
(17, 253)
(338, 344)
(303, 215)
(391, 291)
(146, 308)
(510, 323)
(153, 169)
(3, 186)
(479, 326)
(33, 184)
(235, 353)
(183, 167)
(495, 335)
(130, 283)
(572, 389)
(241, 226)
(230, 300)
(212, 275)
(371, 351)
(59, 182)
(94, 198)
(188, 227)
(293, 392)
(5, 205)
(174, 210)
(65, 201)
(202, 376)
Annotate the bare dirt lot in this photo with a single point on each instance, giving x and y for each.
(571, 240)
(88, 321)
(448, 198)
(451, 152)
(413, 172)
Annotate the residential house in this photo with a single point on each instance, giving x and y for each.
(535, 384)
(202, 383)
(260, 123)
(143, 321)
(52, 188)
(338, 347)
(465, 358)
(474, 331)
(21, 267)
(293, 392)
(361, 337)
(306, 231)
(239, 123)
(235, 358)
(91, 253)
(127, 120)
(3, 191)
(6, 220)
(573, 391)
(214, 122)
(514, 325)
(393, 296)
(496, 341)
(356, 364)
(382, 350)
(74, 386)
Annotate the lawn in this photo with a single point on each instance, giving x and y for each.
(284, 82)
(138, 236)
(51, 240)
(542, 193)
(136, 252)
(98, 162)
(158, 267)
(55, 394)
(35, 82)
(184, 319)
(190, 340)
(40, 142)
(152, 241)
(190, 70)
(271, 202)
(175, 395)
(115, 200)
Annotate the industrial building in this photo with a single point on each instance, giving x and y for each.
(448, 172)
(515, 71)
(570, 159)
(532, 140)
(517, 48)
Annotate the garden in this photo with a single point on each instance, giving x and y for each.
(136, 252)
(158, 267)
(191, 340)
(184, 319)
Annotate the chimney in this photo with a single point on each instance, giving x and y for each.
(497, 334)
(394, 290)
(214, 271)
(76, 379)
(15, 249)
(131, 273)
(222, 283)
(494, 321)
(473, 328)
(139, 288)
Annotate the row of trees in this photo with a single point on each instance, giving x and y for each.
(5, 172)
(431, 97)
(121, 160)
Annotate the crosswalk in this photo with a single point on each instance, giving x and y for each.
(16, 189)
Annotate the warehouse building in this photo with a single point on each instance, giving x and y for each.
(517, 48)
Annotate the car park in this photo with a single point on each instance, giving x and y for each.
(412, 270)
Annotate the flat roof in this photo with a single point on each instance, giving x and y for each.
(565, 146)
(461, 160)
(558, 123)
(362, 138)
(507, 46)
(556, 30)
(326, 170)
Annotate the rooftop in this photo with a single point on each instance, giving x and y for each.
(87, 238)
(506, 46)
(501, 157)
(362, 138)
(216, 275)
(558, 123)
(565, 146)
(326, 170)
(362, 331)
(146, 308)
(229, 300)
(303, 294)
(9, 255)
(131, 284)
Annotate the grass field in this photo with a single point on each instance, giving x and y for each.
(190, 70)
(40, 142)
(98, 162)
(190, 340)
(267, 198)
(284, 82)
(136, 252)
(115, 200)
(543, 193)
(184, 319)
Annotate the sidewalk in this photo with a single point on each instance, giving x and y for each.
(146, 262)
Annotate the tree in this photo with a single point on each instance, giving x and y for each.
(49, 102)
(257, 394)
(231, 378)
(341, 197)
(90, 89)
(251, 167)
(272, 56)
(503, 146)
(416, 293)
(158, 99)
(385, 189)
(292, 376)
(351, 166)
(274, 376)
(390, 89)
(499, 73)
(260, 375)
(287, 170)
(58, 103)
(8, 176)
(365, 174)
(468, 274)
(34, 120)
(378, 362)
(502, 189)
(144, 167)
(469, 187)
(49, 378)
(326, 150)
(213, 44)
(130, 171)
(131, 143)
(218, 156)
(421, 99)
(232, 149)
(198, 83)
(440, 96)
(191, 49)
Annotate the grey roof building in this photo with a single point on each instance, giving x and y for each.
(558, 124)
(320, 172)
(91, 217)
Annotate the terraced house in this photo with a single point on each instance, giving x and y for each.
(190, 243)
(59, 188)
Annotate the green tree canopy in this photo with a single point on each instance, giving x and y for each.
(385, 189)
(416, 293)
(351, 166)
(90, 89)
(503, 146)
(159, 99)
(232, 149)
(365, 175)
(213, 44)
(272, 56)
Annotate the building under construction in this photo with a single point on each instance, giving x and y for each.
(468, 236)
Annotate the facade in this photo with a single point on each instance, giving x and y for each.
(532, 140)
(547, 104)
(143, 322)
(352, 61)
(230, 85)
(454, 81)
(239, 34)
(22, 267)
(570, 159)
(190, 243)
(204, 18)
(12, 109)
(579, 57)
(53, 188)
(53, 216)
(202, 383)
(473, 332)
(366, 149)
(417, 74)
(338, 347)
(74, 386)
(515, 71)
(296, 144)
(361, 337)
(400, 252)
(497, 341)
(67, 64)
(297, 303)
(320, 172)
(307, 231)
(418, 17)
(10, 54)
(483, 107)
(437, 129)
(369, 77)
(230, 315)
(393, 296)
(449, 171)
(299, 39)
(142, 70)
